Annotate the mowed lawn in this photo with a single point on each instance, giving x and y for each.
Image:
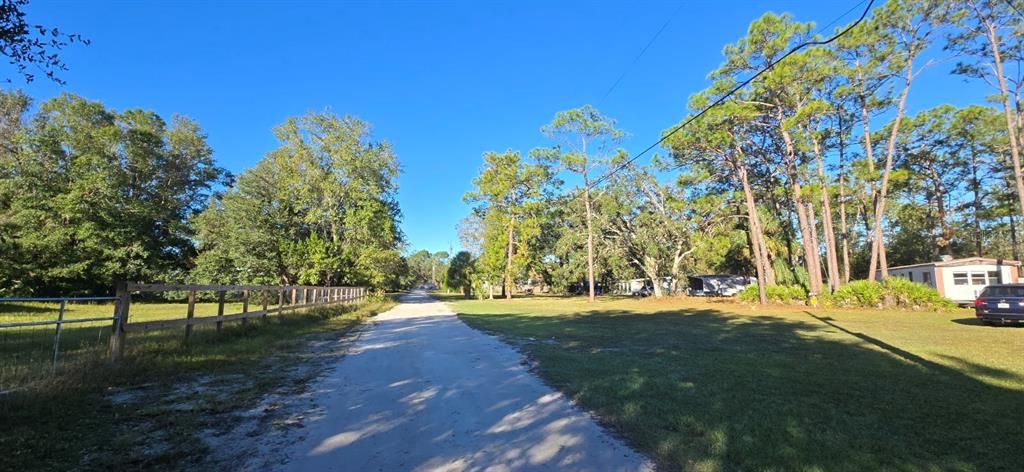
(707, 386)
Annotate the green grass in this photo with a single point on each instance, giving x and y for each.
(70, 421)
(26, 352)
(713, 386)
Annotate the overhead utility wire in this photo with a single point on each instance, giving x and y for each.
(1014, 7)
(722, 99)
(642, 51)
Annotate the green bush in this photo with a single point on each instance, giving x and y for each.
(857, 293)
(892, 292)
(775, 294)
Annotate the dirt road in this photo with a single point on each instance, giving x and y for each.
(419, 390)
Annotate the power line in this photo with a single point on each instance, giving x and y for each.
(723, 98)
(847, 12)
(1012, 5)
(642, 51)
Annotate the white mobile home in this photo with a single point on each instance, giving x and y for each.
(717, 285)
(630, 287)
(960, 280)
(634, 286)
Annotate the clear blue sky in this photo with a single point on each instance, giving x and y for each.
(443, 81)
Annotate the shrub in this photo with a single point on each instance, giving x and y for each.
(775, 294)
(892, 292)
(857, 293)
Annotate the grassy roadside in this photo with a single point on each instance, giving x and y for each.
(709, 386)
(26, 352)
(150, 410)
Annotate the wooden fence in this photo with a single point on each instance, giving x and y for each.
(288, 298)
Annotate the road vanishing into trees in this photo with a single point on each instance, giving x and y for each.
(419, 390)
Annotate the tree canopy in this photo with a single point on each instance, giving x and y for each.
(90, 195)
(319, 209)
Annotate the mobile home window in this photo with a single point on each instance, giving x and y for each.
(959, 278)
(977, 278)
(910, 275)
(993, 277)
(926, 277)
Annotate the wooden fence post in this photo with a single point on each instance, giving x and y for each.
(280, 302)
(266, 299)
(117, 337)
(191, 313)
(245, 305)
(220, 310)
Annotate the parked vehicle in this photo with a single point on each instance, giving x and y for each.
(1001, 303)
(583, 288)
(645, 291)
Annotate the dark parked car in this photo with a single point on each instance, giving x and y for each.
(1002, 303)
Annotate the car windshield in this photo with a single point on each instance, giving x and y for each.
(1004, 292)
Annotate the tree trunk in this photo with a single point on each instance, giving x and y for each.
(831, 259)
(878, 249)
(813, 271)
(812, 221)
(756, 236)
(787, 231)
(945, 233)
(508, 263)
(869, 155)
(1013, 238)
(590, 233)
(976, 205)
(651, 269)
(845, 235)
(677, 262)
(936, 230)
(1011, 127)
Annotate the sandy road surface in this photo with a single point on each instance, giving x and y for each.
(419, 390)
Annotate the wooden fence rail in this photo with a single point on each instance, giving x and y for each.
(289, 298)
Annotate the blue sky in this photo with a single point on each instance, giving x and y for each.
(443, 81)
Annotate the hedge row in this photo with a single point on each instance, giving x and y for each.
(893, 292)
